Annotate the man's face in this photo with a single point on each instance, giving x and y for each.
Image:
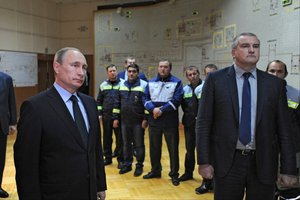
(112, 73)
(208, 70)
(132, 74)
(246, 54)
(164, 69)
(277, 69)
(70, 74)
(129, 62)
(192, 76)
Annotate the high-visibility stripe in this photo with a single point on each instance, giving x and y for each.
(293, 104)
(187, 95)
(99, 107)
(109, 87)
(138, 89)
(199, 96)
(123, 88)
(116, 111)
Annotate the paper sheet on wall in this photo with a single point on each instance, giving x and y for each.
(22, 67)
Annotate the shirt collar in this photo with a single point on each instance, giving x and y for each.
(65, 95)
(239, 72)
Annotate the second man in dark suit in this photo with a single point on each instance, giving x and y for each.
(8, 120)
(241, 128)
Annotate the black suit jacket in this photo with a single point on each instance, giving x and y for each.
(51, 159)
(217, 126)
(8, 113)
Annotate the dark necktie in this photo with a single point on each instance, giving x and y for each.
(79, 120)
(245, 124)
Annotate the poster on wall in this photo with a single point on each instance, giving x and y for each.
(218, 39)
(215, 19)
(22, 67)
(105, 55)
(229, 34)
(104, 23)
(189, 27)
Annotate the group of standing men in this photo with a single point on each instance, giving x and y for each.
(242, 124)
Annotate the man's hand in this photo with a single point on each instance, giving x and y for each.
(116, 123)
(101, 195)
(206, 171)
(144, 123)
(157, 112)
(287, 181)
(12, 129)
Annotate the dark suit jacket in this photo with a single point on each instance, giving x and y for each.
(217, 126)
(8, 113)
(51, 159)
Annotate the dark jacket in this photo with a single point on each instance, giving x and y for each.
(217, 125)
(108, 102)
(52, 161)
(132, 108)
(189, 105)
(8, 111)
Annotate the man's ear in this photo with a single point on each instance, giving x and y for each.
(233, 53)
(286, 74)
(56, 67)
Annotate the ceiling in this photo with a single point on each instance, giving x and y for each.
(99, 1)
(73, 1)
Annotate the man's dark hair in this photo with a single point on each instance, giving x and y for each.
(281, 63)
(135, 66)
(109, 66)
(189, 68)
(166, 60)
(129, 58)
(211, 66)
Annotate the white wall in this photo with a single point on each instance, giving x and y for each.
(34, 25)
(143, 35)
(29, 26)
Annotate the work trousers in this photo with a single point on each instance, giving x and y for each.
(171, 135)
(108, 139)
(3, 142)
(133, 137)
(190, 145)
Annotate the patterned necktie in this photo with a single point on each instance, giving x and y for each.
(245, 123)
(79, 120)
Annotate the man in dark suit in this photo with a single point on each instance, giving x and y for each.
(241, 128)
(58, 152)
(123, 74)
(8, 120)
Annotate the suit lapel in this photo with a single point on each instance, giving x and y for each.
(233, 92)
(63, 113)
(90, 116)
(260, 94)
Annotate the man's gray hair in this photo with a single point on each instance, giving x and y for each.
(59, 56)
(235, 40)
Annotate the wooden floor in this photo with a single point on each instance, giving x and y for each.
(127, 186)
